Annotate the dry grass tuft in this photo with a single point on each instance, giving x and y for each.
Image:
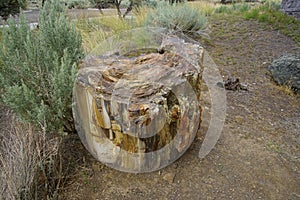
(206, 7)
(94, 31)
(140, 15)
(23, 153)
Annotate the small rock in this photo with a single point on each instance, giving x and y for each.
(220, 84)
(234, 84)
(169, 177)
(243, 86)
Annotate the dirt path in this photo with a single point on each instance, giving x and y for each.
(257, 156)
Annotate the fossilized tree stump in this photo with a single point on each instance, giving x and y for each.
(139, 111)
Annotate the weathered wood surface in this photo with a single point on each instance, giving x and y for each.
(138, 113)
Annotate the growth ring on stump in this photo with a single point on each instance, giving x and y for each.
(139, 111)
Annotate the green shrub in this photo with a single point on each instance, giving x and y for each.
(178, 18)
(38, 68)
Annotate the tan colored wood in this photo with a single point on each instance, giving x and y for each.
(140, 112)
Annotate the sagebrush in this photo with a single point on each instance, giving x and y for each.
(38, 68)
(178, 18)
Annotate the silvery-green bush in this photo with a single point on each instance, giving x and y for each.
(38, 68)
(178, 18)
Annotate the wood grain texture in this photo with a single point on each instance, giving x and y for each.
(140, 112)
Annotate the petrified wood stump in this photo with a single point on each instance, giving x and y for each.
(139, 111)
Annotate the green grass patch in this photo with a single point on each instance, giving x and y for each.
(269, 13)
(233, 9)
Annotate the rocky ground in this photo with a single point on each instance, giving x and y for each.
(257, 155)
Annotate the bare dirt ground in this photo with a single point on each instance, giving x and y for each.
(257, 155)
